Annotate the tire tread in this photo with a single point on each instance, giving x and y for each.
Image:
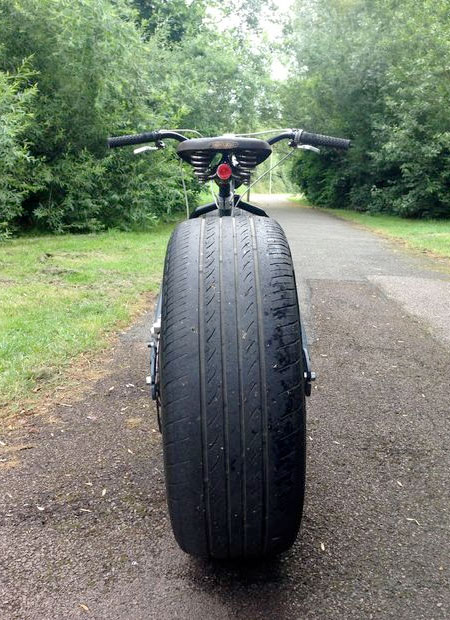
(232, 390)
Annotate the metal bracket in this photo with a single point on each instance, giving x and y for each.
(153, 378)
(156, 327)
(246, 206)
(295, 142)
(308, 375)
(199, 211)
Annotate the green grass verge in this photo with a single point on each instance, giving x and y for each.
(300, 200)
(62, 296)
(425, 235)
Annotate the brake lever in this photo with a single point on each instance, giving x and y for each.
(295, 143)
(143, 149)
(308, 147)
(159, 144)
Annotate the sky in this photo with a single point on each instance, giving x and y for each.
(273, 31)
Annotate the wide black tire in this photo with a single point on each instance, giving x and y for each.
(232, 388)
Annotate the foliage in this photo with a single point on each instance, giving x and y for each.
(16, 162)
(378, 72)
(72, 73)
(176, 18)
(97, 68)
(218, 84)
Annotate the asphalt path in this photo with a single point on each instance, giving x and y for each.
(84, 531)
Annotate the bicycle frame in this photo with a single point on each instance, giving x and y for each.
(242, 155)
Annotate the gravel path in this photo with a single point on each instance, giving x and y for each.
(83, 523)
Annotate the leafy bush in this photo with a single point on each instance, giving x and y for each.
(97, 68)
(90, 76)
(377, 72)
(17, 177)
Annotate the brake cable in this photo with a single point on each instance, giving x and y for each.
(260, 133)
(180, 130)
(264, 174)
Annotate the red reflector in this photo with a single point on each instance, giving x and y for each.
(224, 172)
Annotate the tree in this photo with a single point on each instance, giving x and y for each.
(176, 18)
(18, 176)
(376, 72)
(99, 68)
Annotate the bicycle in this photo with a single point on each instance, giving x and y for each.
(230, 368)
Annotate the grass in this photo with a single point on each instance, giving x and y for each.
(300, 200)
(63, 296)
(431, 236)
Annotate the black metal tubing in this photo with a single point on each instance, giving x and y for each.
(171, 135)
(199, 211)
(309, 138)
(148, 136)
(225, 198)
(299, 136)
(309, 375)
(245, 206)
(287, 135)
(158, 307)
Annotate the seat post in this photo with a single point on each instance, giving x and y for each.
(226, 198)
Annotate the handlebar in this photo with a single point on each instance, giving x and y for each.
(317, 139)
(296, 136)
(148, 136)
(299, 136)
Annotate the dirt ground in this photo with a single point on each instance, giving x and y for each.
(84, 530)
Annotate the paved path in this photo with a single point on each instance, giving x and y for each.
(84, 530)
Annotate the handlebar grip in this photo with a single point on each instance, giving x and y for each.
(316, 139)
(139, 138)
